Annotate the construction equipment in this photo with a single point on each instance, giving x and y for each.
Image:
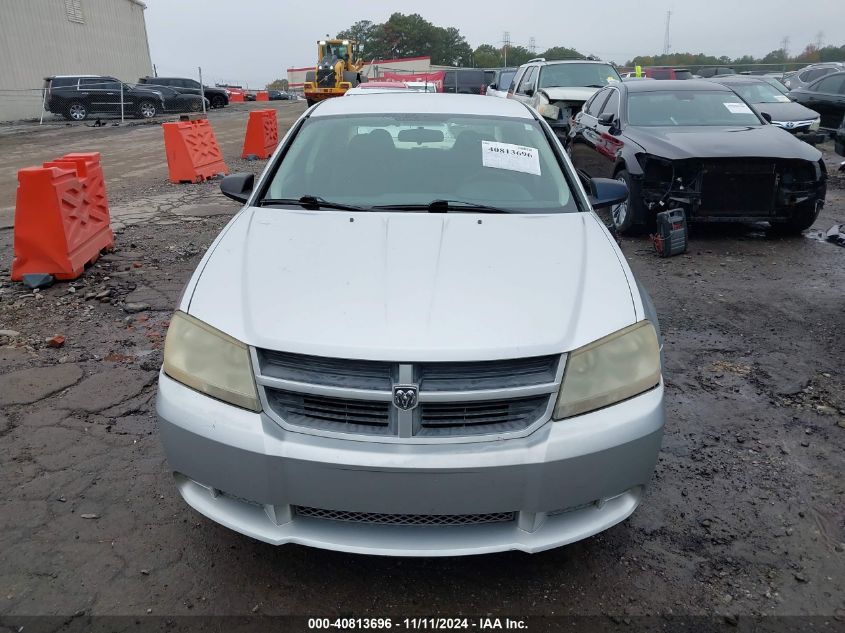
(335, 73)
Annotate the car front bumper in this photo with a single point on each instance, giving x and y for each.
(566, 481)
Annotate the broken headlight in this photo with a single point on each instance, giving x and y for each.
(814, 126)
(204, 358)
(617, 367)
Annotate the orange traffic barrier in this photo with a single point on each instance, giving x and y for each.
(192, 151)
(62, 217)
(236, 97)
(262, 134)
(262, 95)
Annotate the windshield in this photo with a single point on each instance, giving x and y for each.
(505, 79)
(414, 159)
(759, 93)
(689, 107)
(568, 75)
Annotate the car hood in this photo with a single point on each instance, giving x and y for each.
(574, 93)
(413, 286)
(787, 111)
(677, 143)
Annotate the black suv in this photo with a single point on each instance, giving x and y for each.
(77, 96)
(471, 81)
(217, 97)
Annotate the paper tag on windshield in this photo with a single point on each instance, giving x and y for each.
(738, 108)
(510, 157)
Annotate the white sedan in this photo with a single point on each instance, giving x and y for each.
(415, 343)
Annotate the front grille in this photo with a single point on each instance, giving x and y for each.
(454, 399)
(497, 374)
(432, 520)
(331, 372)
(331, 414)
(471, 418)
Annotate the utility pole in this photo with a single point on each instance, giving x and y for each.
(667, 44)
(784, 46)
(532, 45)
(506, 42)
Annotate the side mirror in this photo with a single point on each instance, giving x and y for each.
(237, 186)
(606, 118)
(766, 116)
(529, 92)
(606, 192)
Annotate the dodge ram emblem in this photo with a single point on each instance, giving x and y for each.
(405, 396)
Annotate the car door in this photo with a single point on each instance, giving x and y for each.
(608, 142)
(101, 93)
(586, 136)
(827, 97)
(526, 87)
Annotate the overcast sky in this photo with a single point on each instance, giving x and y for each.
(255, 41)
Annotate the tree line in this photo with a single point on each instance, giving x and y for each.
(414, 36)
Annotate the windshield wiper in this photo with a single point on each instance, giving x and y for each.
(445, 206)
(312, 203)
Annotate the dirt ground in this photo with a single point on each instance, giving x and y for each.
(745, 515)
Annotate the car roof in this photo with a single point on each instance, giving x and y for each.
(739, 79)
(554, 62)
(71, 76)
(422, 103)
(673, 84)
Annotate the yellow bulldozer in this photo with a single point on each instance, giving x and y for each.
(336, 72)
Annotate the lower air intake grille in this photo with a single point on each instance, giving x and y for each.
(447, 520)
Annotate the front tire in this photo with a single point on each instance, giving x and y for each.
(76, 111)
(147, 109)
(627, 215)
(217, 101)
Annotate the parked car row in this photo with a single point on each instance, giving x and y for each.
(76, 97)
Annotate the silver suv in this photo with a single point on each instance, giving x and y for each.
(808, 75)
(558, 89)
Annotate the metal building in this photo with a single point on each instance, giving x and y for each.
(39, 38)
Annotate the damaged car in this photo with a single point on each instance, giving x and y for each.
(558, 89)
(698, 146)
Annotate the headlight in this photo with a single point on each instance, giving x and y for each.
(815, 124)
(213, 363)
(612, 369)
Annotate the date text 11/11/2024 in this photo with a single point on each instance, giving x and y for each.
(417, 624)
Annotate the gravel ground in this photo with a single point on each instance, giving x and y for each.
(745, 515)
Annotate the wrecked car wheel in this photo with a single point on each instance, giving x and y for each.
(801, 220)
(626, 215)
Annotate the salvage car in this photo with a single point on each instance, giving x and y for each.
(558, 89)
(777, 108)
(446, 355)
(826, 96)
(839, 139)
(698, 146)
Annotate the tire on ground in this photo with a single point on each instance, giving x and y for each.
(76, 111)
(635, 212)
(217, 101)
(147, 109)
(310, 76)
(351, 77)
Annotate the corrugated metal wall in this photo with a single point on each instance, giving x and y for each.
(39, 38)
